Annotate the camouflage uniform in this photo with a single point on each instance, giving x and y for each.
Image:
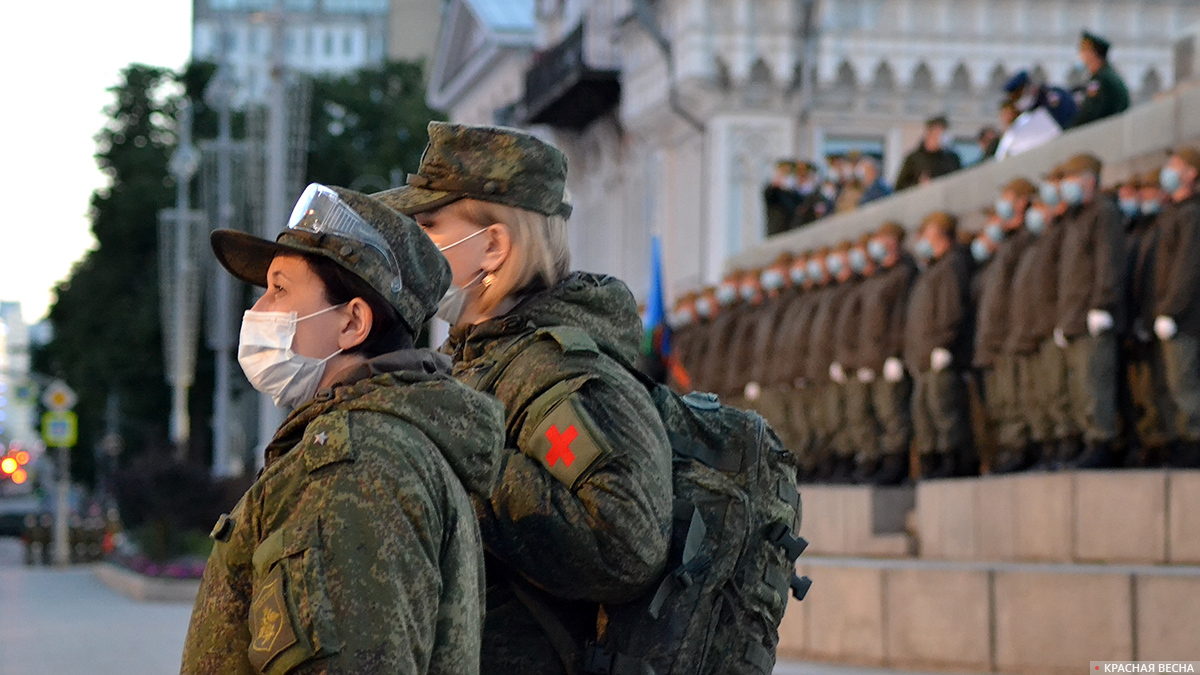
(582, 512)
(356, 550)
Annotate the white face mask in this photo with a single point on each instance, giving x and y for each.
(452, 304)
(266, 356)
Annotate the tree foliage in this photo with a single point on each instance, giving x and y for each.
(367, 124)
(107, 338)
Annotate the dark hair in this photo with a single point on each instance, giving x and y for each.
(388, 332)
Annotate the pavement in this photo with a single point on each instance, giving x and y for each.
(65, 622)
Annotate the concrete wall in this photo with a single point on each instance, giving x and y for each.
(1003, 617)
(1132, 141)
(1135, 517)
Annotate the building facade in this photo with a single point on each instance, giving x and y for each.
(709, 93)
(17, 409)
(319, 36)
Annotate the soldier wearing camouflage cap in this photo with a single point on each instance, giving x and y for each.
(582, 513)
(357, 548)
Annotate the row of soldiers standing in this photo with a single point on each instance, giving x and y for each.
(1069, 319)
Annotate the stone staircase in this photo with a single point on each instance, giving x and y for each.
(1035, 573)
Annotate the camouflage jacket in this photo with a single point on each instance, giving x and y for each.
(357, 550)
(582, 513)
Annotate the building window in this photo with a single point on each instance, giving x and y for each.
(329, 44)
(347, 44)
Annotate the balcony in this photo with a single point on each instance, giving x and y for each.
(562, 91)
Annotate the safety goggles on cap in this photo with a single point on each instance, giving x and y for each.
(321, 211)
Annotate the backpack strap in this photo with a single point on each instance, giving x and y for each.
(780, 534)
(560, 638)
(690, 562)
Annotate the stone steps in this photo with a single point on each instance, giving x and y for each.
(1002, 617)
(1027, 573)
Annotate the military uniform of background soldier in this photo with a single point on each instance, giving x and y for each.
(936, 350)
(357, 550)
(831, 453)
(930, 159)
(861, 436)
(1089, 306)
(1153, 413)
(1177, 298)
(789, 377)
(881, 350)
(562, 533)
(762, 392)
(998, 367)
(1105, 93)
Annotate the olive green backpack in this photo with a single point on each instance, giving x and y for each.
(731, 565)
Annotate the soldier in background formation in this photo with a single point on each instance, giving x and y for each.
(1070, 321)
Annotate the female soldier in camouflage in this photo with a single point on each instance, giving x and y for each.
(357, 549)
(581, 515)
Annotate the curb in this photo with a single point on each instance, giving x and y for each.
(146, 589)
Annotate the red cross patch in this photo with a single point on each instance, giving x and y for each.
(560, 445)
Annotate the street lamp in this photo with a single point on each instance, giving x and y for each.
(178, 276)
(219, 95)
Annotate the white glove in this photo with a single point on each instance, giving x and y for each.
(836, 373)
(1165, 328)
(1060, 339)
(940, 359)
(893, 370)
(866, 375)
(753, 391)
(1098, 321)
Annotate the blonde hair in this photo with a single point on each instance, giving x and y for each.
(539, 255)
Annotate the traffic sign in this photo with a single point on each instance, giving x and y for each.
(60, 428)
(58, 397)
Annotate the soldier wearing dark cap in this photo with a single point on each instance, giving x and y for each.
(1027, 95)
(936, 349)
(1177, 297)
(357, 548)
(1105, 93)
(582, 511)
(930, 159)
(1090, 307)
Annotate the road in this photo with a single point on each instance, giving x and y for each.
(65, 622)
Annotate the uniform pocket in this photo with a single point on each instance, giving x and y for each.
(291, 615)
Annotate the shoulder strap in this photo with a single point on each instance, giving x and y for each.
(570, 339)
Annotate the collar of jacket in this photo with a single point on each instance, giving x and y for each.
(353, 383)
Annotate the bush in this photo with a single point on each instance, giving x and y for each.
(164, 502)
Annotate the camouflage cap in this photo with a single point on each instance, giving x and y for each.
(494, 164)
(424, 272)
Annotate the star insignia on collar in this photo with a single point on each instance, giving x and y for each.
(321, 438)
